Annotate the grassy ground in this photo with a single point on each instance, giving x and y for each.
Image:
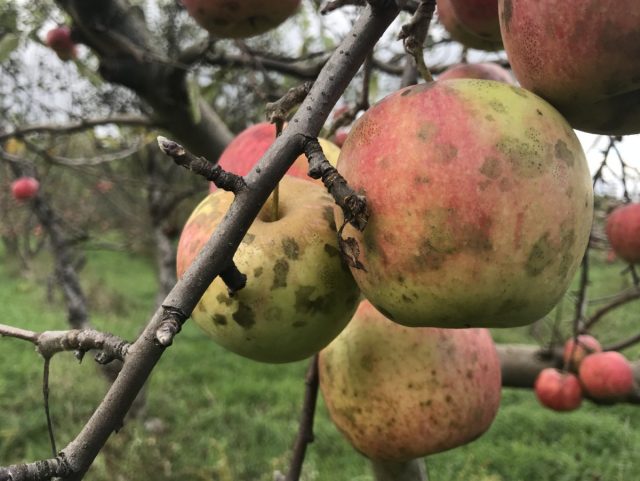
(212, 415)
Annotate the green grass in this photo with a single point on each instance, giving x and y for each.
(211, 415)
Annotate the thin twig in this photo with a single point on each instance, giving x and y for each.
(45, 396)
(415, 33)
(623, 298)
(625, 343)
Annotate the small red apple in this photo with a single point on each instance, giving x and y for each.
(59, 40)
(240, 18)
(463, 33)
(485, 71)
(586, 345)
(558, 390)
(623, 231)
(24, 188)
(103, 186)
(340, 136)
(606, 375)
(249, 146)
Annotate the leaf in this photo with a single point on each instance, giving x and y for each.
(193, 90)
(8, 44)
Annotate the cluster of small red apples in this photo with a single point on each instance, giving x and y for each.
(603, 376)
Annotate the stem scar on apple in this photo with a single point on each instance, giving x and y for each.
(354, 206)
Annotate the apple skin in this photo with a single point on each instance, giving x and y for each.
(59, 40)
(623, 232)
(399, 393)
(557, 390)
(461, 33)
(240, 18)
(479, 17)
(246, 149)
(606, 375)
(580, 55)
(586, 345)
(24, 188)
(482, 71)
(481, 204)
(299, 294)
(340, 137)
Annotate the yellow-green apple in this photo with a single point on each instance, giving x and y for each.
(400, 393)
(299, 294)
(558, 390)
(583, 56)
(623, 232)
(481, 204)
(461, 33)
(606, 375)
(24, 188)
(249, 146)
(59, 40)
(574, 353)
(483, 71)
(240, 18)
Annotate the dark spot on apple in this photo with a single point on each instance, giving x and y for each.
(367, 362)
(428, 256)
(426, 403)
(406, 92)
(332, 251)
(513, 305)
(469, 374)
(291, 248)
(489, 118)
(563, 153)
(248, 238)
(305, 304)
(257, 272)
(540, 257)
(491, 168)
(446, 152)
(224, 299)
(327, 214)
(426, 131)
(200, 307)
(448, 399)
(421, 179)
(244, 316)
(498, 106)
(539, 112)
(219, 320)
(299, 324)
(405, 298)
(527, 158)
(280, 272)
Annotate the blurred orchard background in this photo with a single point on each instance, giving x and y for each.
(114, 210)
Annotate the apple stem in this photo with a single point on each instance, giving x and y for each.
(414, 470)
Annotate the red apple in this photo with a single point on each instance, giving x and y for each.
(479, 17)
(299, 294)
(400, 393)
(481, 204)
(483, 71)
(249, 146)
(574, 354)
(240, 18)
(623, 232)
(24, 188)
(461, 32)
(558, 390)
(606, 375)
(340, 136)
(59, 40)
(582, 56)
(103, 186)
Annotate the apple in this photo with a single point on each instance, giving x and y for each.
(24, 188)
(59, 40)
(623, 232)
(481, 204)
(606, 375)
(573, 354)
(486, 71)
(299, 294)
(558, 390)
(340, 137)
(461, 33)
(240, 18)
(399, 393)
(479, 17)
(249, 146)
(582, 56)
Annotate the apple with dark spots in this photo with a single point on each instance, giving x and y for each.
(400, 393)
(558, 390)
(299, 294)
(461, 32)
(59, 40)
(583, 56)
(240, 18)
(574, 353)
(24, 188)
(481, 204)
(482, 71)
(623, 232)
(606, 375)
(246, 149)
